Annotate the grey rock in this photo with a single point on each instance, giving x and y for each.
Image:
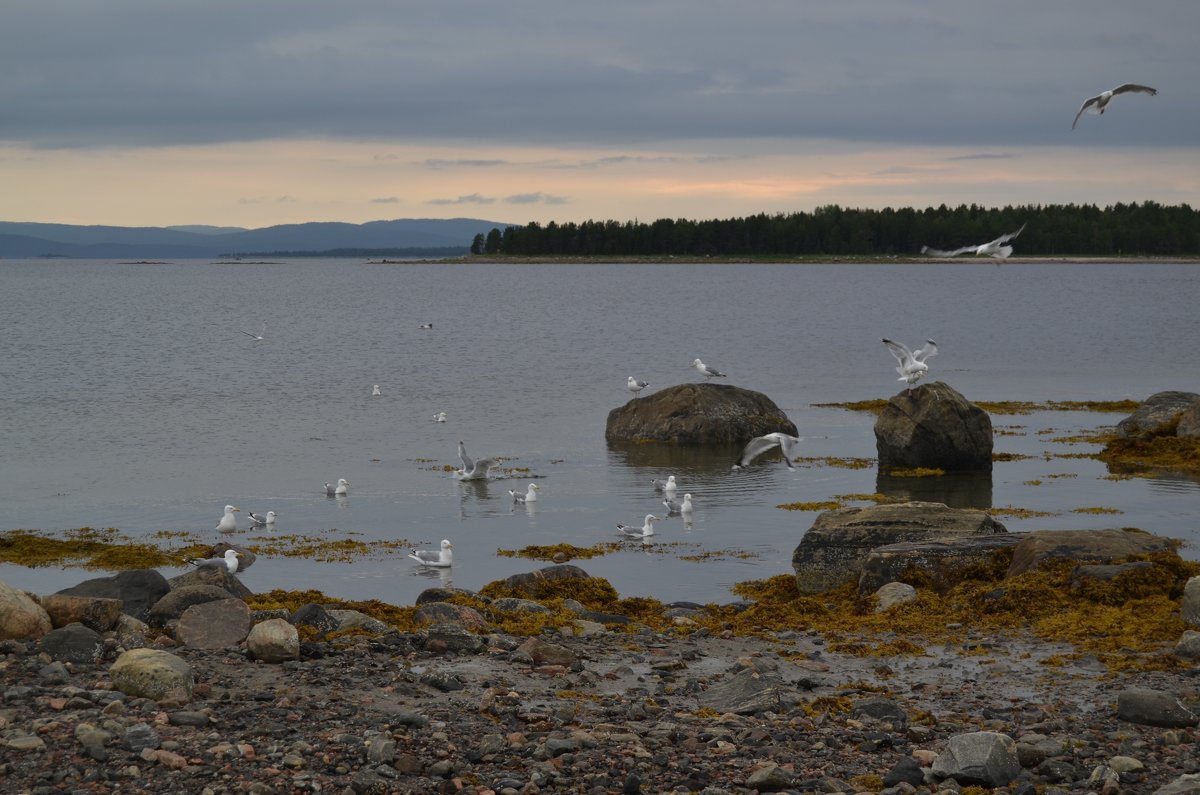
(273, 641)
(455, 638)
(368, 782)
(172, 605)
(381, 750)
(986, 759)
(54, 674)
(353, 619)
(513, 605)
(1188, 646)
(1190, 609)
(941, 561)
(215, 576)
(315, 616)
(1153, 708)
(892, 594)
(214, 625)
(1159, 410)
(445, 593)
(906, 771)
(73, 643)
(1189, 422)
(881, 710)
(532, 583)
(450, 613)
(94, 612)
(936, 427)
(137, 590)
(1187, 784)
(1093, 546)
(745, 693)
(770, 778)
(141, 735)
(21, 617)
(835, 549)
(697, 414)
(536, 651)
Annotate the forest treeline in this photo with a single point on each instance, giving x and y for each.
(1135, 229)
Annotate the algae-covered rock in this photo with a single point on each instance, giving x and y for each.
(150, 673)
(1097, 546)
(933, 427)
(1157, 412)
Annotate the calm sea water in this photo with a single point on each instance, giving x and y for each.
(130, 398)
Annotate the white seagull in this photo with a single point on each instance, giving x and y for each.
(478, 469)
(528, 496)
(761, 444)
(340, 490)
(425, 326)
(635, 385)
(667, 486)
(706, 371)
(912, 366)
(228, 522)
(259, 336)
(647, 528)
(230, 561)
(440, 417)
(686, 508)
(259, 520)
(375, 391)
(993, 248)
(467, 461)
(1098, 103)
(441, 558)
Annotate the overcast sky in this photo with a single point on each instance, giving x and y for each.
(251, 113)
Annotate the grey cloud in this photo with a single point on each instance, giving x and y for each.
(534, 198)
(985, 156)
(472, 198)
(464, 163)
(386, 200)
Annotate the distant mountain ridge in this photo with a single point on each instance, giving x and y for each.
(21, 239)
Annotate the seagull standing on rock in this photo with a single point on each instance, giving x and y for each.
(706, 371)
(911, 364)
(635, 385)
(229, 561)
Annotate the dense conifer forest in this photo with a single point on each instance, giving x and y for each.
(1145, 229)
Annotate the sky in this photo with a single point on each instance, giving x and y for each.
(249, 114)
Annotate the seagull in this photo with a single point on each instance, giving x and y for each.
(260, 520)
(257, 337)
(440, 417)
(440, 558)
(911, 367)
(686, 508)
(375, 392)
(467, 461)
(667, 486)
(673, 508)
(230, 561)
(635, 385)
(647, 528)
(528, 496)
(1098, 103)
(425, 326)
(340, 490)
(994, 248)
(706, 371)
(478, 470)
(761, 444)
(228, 522)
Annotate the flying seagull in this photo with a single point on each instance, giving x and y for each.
(647, 528)
(1098, 103)
(706, 371)
(761, 444)
(257, 337)
(911, 365)
(478, 469)
(994, 248)
(441, 558)
(635, 385)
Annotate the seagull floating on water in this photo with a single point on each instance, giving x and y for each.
(761, 444)
(635, 385)
(375, 391)
(425, 326)
(912, 367)
(993, 248)
(340, 490)
(678, 508)
(228, 522)
(647, 528)
(706, 371)
(440, 417)
(260, 520)
(440, 558)
(686, 508)
(258, 337)
(1098, 103)
(667, 486)
(528, 496)
(229, 561)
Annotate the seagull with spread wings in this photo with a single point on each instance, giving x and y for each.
(993, 248)
(911, 364)
(761, 444)
(1098, 103)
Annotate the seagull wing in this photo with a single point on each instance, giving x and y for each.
(756, 447)
(467, 462)
(1126, 87)
(1005, 238)
(937, 252)
(900, 351)
(930, 349)
(1087, 103)
(426, 556)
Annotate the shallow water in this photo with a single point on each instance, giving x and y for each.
(132, 399)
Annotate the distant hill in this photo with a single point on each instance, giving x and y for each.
(107, 242)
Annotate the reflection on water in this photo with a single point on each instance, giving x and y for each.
(659, 455)
(965, 490)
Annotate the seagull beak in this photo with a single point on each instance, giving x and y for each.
(237, 510)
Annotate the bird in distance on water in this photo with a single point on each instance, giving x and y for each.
(376, 391)
(340, 490)
(1099, 103)
(761, 444)
(259, 336)
(911, 364)
(993, 248)
(706, 371)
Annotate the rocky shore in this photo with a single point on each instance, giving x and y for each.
(597, 705)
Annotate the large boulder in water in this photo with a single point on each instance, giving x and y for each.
(697, 414)
(1156, 414)
(935, 427)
